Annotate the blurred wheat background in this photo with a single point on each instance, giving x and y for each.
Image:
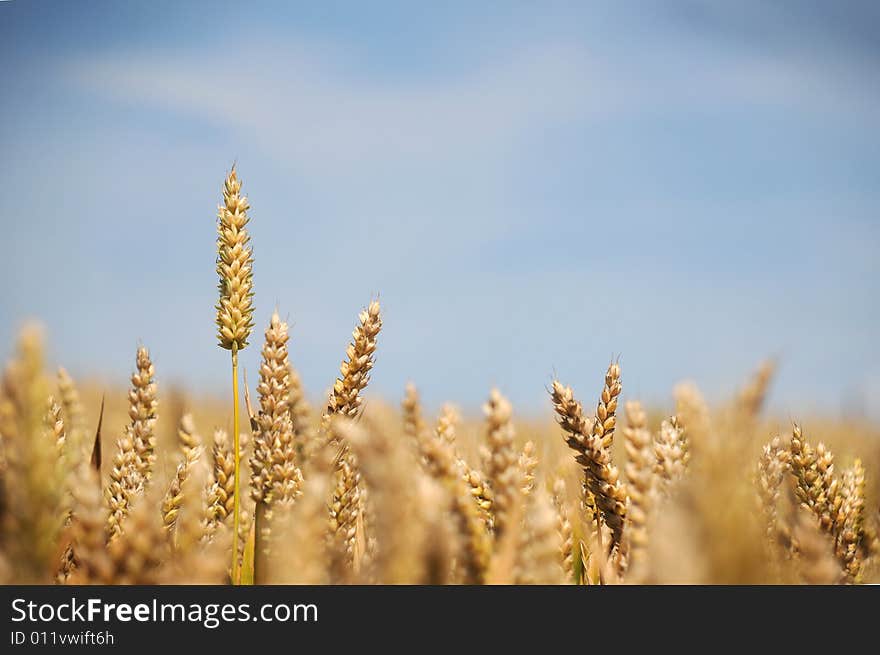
(531, 193)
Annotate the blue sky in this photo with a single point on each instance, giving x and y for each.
(530, 187)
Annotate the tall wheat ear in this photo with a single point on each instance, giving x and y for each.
(234, 316)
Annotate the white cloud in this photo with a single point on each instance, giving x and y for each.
(306, 106)
(306, 109)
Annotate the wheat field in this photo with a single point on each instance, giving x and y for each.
(269, 486)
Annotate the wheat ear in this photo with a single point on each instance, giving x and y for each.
(750, 399)
(527, 464)
(446, 423)
(72, 413)
(234, 314)
(345, 399)
(187, 437)
(564, 529)
(174, 496)
(304, 437)
(142, 410)
(692, 414)
(640, 480)
(540, 543)
(275, 475)
(30, 483)
(671, 454)
(469, 521)
(601, 477)
(851, 534)
(501, 468)
(772, 466)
